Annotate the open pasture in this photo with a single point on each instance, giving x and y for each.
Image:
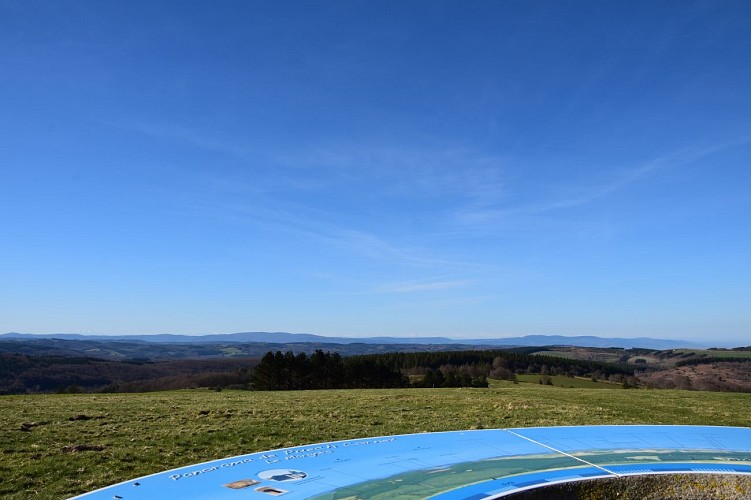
(568, 382)
(55, 446)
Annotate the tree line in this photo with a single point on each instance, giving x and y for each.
(324, 370)
(711, 360)
(502, 363)
(288, 371)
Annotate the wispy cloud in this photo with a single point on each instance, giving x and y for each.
(201, 139)
(308, 192)
(424, 286)
(376, 247)
(570, 196)
(626, 178)
(442, 172)
(435, 172)
(315, 224)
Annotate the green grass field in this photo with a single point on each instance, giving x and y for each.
(569, 382)
(556, 354)
(55, 446)
(717, 354)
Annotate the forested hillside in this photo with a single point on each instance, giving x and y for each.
(20, 373)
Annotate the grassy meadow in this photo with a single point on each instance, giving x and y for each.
(56, 446)
(565, 381)
(716, 353)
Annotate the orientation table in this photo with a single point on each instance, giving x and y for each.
(473, 464)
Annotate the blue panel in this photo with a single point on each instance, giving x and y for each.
(449, 465)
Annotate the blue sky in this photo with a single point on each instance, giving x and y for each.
(466, 169)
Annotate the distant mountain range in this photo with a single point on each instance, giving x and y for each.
(305, 338)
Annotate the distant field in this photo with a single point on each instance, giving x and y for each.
(557, 354)
(717, 354)
(650, 360)
(55, 446)
(569, 382)
(603, 355)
